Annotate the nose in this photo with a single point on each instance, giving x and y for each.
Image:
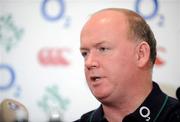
(91, 61)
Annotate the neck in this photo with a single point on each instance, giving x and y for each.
(116, 112)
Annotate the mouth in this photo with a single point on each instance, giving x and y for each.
(95, 78)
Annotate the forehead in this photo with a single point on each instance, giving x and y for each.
(105, 24)
(107, 17)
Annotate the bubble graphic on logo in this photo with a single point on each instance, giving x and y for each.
(150, 15)
(48, 9)
(7, 77)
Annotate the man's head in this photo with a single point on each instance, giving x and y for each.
(139, 30)
(116, 46)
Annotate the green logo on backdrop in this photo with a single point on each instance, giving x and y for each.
(53, 101)
(10, 34)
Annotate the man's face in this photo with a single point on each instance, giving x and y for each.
(109, 56)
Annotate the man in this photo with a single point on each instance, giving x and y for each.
(119, 51)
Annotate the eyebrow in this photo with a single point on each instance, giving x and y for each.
(95, 45)
(82, 48)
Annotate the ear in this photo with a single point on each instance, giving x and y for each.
(143, 54)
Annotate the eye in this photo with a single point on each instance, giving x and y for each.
(84, 53)
(102, 49)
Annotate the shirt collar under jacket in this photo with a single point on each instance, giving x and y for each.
(148, 111)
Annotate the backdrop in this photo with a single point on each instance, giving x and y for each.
(40, 61)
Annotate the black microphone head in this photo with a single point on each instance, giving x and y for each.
(178, 93)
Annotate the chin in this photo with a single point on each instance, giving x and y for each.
(102, 97)
(104, 100)
(101, 92)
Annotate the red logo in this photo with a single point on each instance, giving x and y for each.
(159, 61)
(53, 56)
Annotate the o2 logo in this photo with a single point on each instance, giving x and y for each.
(152, 14)
(53, 56)
(47, 13)
(6, 70)
(7, 79)
(154, 10)
(54, 10)
(145, 113)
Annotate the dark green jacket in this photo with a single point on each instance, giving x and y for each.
(157, 107)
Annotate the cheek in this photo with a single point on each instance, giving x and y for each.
(86, 74)
(121, 64)
(87, 77)
(121, 58)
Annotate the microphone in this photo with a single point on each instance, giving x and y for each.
(13, 111)
(178, 93)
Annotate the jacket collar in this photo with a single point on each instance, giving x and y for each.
(151, 108)
(148, 111)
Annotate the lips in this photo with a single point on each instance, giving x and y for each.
(95, 78)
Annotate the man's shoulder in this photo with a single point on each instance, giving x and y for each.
(85, 117)
(171, 112)
(171, 103)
